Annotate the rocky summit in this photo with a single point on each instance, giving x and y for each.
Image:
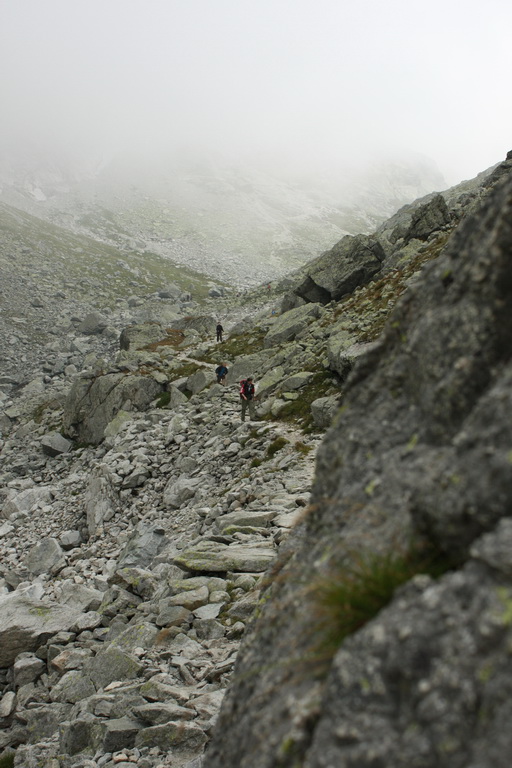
(327, 584)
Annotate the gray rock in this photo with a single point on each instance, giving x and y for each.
(140, 336)
(72, 687)
(143, 546)
(45, 557)
(288, 326)
(353, 262)
(177, 492)
(112, 664)
(324, 409)
(27, 624)
(90, 407)
(209, 556)
(93, 323)
(54, 444)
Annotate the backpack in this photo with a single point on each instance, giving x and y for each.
(246, 388)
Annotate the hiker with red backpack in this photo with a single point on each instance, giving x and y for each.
(247, 397)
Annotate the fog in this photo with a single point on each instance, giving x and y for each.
(308, 86)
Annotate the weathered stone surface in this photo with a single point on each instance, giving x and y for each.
(324, 409)
(213, 556)
(143, 546)
(421, 450)
(200, 379)
(351, 263)
(90, 406)
(112, 664)
(72, 687)
(289, 325)
(25, 501)
(53, 444)
(427, 219)
(171, 734)
(176, 492)
(26, 624)
(93, 323)
(140, 336)
(45, 557)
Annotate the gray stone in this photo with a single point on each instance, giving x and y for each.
(90, 406)
(177, 492)
(26, 624)
(171, 735)
(72, 687)
(45, 557)
(213, 556)
(93, 323)
(288, 326)
(53, 444)
(27, 668)
(324, 409)
(112, 664)
(352, 262)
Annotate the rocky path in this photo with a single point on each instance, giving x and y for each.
(145, 557)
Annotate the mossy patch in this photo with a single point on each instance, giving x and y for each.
(299, 411)
(355, 591)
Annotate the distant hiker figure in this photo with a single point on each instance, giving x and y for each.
(221, 372)
(220, 331)
(247, 395)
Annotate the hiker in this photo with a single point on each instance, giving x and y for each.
(220, 330)
(221, 372)
(247, 396)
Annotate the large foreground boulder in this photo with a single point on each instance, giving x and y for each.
(418, 461)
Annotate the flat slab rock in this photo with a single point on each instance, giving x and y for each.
(218, 557)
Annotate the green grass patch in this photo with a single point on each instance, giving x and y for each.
(299, 411)
(164, 400)
(353, 593)
(372, 304)
(235, 346)
(7, 761)
(276, 445)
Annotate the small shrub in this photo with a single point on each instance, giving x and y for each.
(276, 446)
(352, 594)
(164, 400)
(7, 760)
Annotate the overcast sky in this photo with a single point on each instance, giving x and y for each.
(316, 82)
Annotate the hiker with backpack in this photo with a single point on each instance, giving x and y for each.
(247, 397)
(221, 372)
(220, 331)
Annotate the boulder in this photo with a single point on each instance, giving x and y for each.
(146, 542)
(45, 557)
(90, 406)
(25, 501)
(288, 326)
(351, 263)
(53, 444)
(177, 492)
(93, 324)
(427, 219)
(209, 556)
(26, 624)
(141, 336)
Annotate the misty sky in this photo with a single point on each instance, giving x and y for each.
(313, 83)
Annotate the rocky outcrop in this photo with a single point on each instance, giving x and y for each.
(351, 263)
(91, 405)
(419, 453)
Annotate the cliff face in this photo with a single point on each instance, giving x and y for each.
(418, 460)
